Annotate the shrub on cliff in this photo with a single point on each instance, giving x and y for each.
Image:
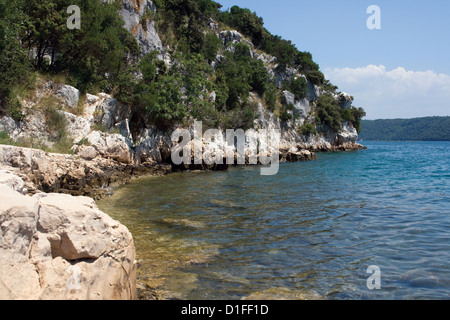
(155, 98)
(329, 112)
(211, 46)
(251, 25)
(246, 22)
(354, 116)
(298, 87)
(316, 77)
(307, 129)
(182, 25)
(103, 55)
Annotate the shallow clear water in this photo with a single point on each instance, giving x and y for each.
(310, 231)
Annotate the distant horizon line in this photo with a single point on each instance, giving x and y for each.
(396, 140)
(425, 117)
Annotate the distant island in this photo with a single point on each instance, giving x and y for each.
(417, 129)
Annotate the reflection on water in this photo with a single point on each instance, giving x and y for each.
(309, 232)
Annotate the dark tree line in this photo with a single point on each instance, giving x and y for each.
(417, 129)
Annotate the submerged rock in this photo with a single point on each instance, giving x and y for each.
(182, 223)
(283, 294)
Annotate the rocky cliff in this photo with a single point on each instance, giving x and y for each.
(133, 12)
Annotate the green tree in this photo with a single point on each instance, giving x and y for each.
(195, 73)
(211, 46)
(179, 10)
(97, 52)
(357, 115)
(209, 8)
(307, 129)
(270, 96)
(235, 74)
(46, 25)
(89, 55)
(329, 112)
(222, 92)
(164, 103)
(150, 66)
(259, 79)
(246, 22)
(284, 50)
(298, 87)
(15, 69)
(316, 77)
(304, 61)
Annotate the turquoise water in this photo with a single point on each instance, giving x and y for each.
(311, 231)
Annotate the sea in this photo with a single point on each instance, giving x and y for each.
(366, 225)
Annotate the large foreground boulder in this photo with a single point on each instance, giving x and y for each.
(55, 246)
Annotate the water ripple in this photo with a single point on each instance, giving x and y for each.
(309, 232)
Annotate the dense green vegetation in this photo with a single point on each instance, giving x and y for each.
(297, 86)
(15, 68)
(331, 114)
(34, 37)
(419, 129)
(103, 56)
(285, 51)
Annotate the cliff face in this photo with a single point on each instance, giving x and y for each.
(136, 14)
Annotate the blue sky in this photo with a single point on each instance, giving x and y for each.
(400, 71)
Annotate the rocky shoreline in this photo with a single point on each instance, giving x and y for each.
(69, 174)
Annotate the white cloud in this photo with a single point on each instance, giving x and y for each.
(396, 93)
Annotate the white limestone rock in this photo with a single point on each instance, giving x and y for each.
(59, 247)
(114, 146)
(67, 94)
(132, 12)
